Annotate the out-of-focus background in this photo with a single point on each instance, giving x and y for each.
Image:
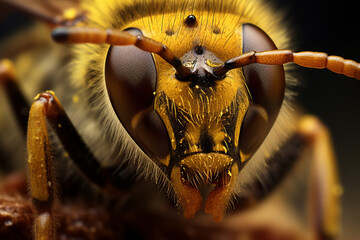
(332, 27)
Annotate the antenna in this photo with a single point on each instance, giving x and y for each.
(307, 59)
(119, 38)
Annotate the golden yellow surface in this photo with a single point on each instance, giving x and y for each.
(38, 146)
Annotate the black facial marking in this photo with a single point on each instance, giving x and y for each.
(216, 30)
(190, 21)
(169, 32)
(206, 142)
(202, 82)
(199, 50)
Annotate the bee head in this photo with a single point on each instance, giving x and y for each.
(200, 128)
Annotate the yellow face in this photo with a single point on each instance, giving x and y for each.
(199, 131)
(202, 116)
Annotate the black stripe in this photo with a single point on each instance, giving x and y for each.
(42, 206)
(19, 104)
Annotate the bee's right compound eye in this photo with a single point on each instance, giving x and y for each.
(130, 76)
(266, 85)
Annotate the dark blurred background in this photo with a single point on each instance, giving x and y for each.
(331, 27)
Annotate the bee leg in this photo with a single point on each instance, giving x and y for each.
(325, 189)
(278, 165)
(48, 106)
(40, 168)
(13, 92)
(40, 160)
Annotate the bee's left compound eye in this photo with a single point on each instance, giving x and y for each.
(130, 76)
(266, 85)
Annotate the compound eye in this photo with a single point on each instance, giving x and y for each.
(266, 85)
(130, 76)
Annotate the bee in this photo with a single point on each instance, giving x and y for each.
(161, 106)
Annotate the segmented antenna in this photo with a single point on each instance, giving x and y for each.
(119, 38)
(307, 59)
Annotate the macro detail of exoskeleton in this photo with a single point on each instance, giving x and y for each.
(149, 98)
